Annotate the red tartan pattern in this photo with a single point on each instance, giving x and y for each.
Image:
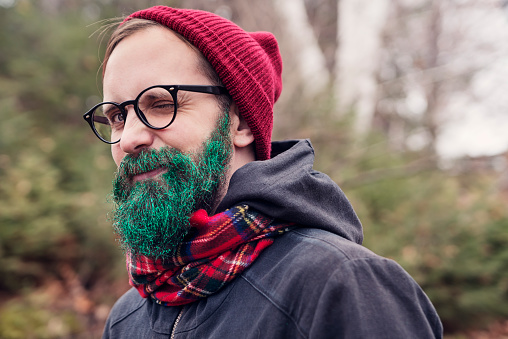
(218, 249)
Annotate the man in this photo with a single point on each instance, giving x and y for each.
(226, 234)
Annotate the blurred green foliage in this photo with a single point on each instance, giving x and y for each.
(53, 174)
(60, 268)
(19, 320)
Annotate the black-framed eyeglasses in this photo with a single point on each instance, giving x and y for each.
(155, 106)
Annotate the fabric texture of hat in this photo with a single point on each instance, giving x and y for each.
(248, 63)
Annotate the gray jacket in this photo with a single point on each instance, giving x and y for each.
(316, 281)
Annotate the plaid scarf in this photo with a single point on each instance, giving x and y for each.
(217, 249)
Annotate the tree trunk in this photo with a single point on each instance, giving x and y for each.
(361, 23)
(309, 58)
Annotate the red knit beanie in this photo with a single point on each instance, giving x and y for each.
(249, 64)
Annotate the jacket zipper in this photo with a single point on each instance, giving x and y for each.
(176, 323)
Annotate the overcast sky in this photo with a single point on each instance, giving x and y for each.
(477, 120)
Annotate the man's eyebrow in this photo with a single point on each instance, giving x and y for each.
(110, 109)
(157, 95)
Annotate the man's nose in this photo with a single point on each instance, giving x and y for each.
(136, 135)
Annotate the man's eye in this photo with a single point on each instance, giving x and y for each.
(163, 105)
(116, 118)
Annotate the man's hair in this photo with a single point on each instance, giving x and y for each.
(132, 26)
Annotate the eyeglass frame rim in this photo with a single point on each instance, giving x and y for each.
(172, 89)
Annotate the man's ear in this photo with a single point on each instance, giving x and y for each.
(240, 132)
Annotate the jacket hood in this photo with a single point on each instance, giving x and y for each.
(286, 187)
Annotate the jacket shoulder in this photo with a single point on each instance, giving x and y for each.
(305, 253)
(323, 281)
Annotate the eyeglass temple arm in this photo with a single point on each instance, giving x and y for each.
(102, 120)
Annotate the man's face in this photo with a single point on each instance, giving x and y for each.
(155, 56)
(164, 175)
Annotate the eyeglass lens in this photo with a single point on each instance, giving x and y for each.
(156, 106)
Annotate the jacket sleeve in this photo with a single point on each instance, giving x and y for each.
(374, 298)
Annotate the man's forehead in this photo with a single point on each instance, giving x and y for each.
(152, 56)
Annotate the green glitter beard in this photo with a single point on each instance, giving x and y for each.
(151, 216)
